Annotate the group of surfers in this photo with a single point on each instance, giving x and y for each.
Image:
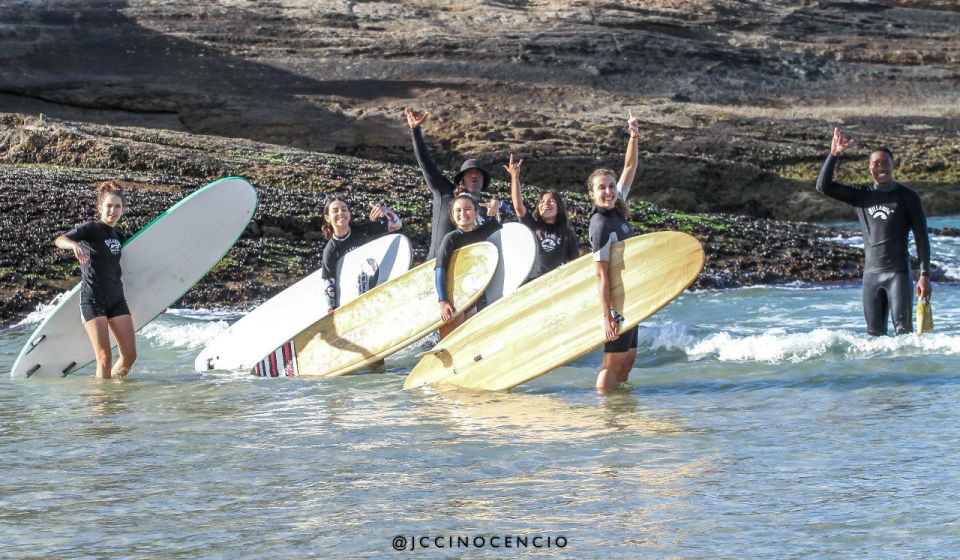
(887, 211)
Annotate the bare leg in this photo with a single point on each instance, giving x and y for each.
(615, 369)
(100, 340)
(122, 328)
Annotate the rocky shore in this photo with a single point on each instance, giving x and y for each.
(47, 169)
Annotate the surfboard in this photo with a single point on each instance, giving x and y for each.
(385, 319)
(160, 263)
(294, 309)
(556, 318)
(518, 253)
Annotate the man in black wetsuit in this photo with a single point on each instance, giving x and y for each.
(472, 178)
(887, 211)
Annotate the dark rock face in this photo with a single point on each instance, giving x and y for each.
(738, 98)
(48, 169)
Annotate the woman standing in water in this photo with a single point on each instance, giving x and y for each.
(556, 240)
(343, 237)
(463, 213)
(608, 225)
(96, 245)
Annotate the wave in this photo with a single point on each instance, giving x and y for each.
(42, 310)
(195, 334)
(780, 346)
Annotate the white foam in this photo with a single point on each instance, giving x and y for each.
(777, 346)
(186, 335)
(42, 311)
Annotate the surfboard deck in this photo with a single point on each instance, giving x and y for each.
(294, 309)
(518, 253)
(557, 318)
(160, 263)
(388, 318)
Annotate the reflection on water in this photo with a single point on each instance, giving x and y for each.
(700, 456)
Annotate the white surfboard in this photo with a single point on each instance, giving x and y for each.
(160, 263)
(518, 253)
(291, 311)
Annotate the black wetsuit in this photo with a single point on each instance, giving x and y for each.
(887, 216)
(606, 228)
(442, 189)
(453, 241)
(553, 249)
(336, 248)
(101, 289)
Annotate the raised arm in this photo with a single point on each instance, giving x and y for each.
(513, 168)
(431, 173)
(378, 211)
(825, 182)
(630, 161)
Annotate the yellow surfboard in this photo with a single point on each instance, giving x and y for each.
(556, 318)
(382, 320)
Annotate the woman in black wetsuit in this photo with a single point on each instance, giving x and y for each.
(96, 245)
(556, 240)
(609, 224)
(463, 213)
(343, 237)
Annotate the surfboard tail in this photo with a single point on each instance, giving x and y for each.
(282, 362)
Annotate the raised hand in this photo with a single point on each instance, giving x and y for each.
(633, 123)
(513, 168)
(377, 212)
(415, 118)
(492, 206)
(840, 142)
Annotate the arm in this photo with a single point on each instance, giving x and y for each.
(610, 325)
(825, 183)
(328, 266)
(392, 220)
(431, 173)
(918, 223)
(630, 162)
(71, 242)
(447, 310)
(513, 168)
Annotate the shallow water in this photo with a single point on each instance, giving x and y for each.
(759, 422)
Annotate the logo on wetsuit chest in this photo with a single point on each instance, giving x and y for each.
(880, 212)
(625, 227)
(549, 243)
(113, 245)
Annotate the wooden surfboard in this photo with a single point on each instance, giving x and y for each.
(556, 318)
(160, 263)
(294, 309)
(386, 319)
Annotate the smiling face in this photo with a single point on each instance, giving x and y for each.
(881, 167)
(464, 213)
(472, 181)
(110, 209)
(603, 191)
(337, 215)
(547, 208)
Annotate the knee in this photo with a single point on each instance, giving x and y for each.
(129, 357)
(104, 358)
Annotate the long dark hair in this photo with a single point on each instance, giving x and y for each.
(560, 226)
(326, 229)
(620, 206)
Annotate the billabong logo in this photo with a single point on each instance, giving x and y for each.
(880, 212)
(113, 245)
(625, 228)
(549, 243)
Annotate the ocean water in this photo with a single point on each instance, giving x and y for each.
(758, 422)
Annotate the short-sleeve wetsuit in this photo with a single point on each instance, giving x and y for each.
(606, 228)
(453, 241)
(101, 289)
(554, 247)
(887, 215)
(337, 247)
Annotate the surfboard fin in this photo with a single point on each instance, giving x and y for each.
(67, 370)
(33, 370)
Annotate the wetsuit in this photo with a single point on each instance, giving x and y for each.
(887, 215)
(336, 248)
(453, 241)
(554, 248)
(442, 189)
(101, 289)
(606, 228)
